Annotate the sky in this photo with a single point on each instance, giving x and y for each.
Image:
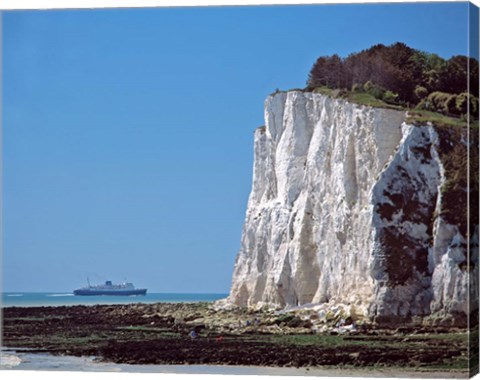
(128, 134)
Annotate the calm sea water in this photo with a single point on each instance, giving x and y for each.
(61, 299)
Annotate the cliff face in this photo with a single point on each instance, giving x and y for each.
(347, 207)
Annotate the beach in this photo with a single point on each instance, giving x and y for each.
(47, 362)
(196, 337)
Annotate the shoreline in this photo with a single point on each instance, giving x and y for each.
(190, 336)
(45, 299)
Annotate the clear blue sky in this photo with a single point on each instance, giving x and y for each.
(128, 134)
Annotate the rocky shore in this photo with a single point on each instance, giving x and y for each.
(202, 333)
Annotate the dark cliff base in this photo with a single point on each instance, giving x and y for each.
(160, 334)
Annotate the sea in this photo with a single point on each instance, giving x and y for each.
(67, 299)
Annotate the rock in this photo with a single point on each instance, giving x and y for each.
(347, 208)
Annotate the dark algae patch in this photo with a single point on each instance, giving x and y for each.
(161, 334)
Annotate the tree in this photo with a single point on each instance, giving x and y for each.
(406, 75)
(327, 71)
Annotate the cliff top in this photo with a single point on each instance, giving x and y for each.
(431, 88)
(415, 116)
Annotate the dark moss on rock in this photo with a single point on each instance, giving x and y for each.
(403, 256)
(453, 152)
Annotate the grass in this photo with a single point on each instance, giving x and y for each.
(369, 100)
(324, 91)
(277, 91)
(421, 117)
(361, 98)
(416, 117)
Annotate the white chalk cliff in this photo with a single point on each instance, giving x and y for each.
(347, 207)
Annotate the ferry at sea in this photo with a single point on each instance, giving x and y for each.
(109, 289)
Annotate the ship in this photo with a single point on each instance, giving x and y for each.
(109, 289)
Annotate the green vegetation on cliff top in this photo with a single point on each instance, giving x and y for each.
(398, 77)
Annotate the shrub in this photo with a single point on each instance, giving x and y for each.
(338, 93)
(423, 105)
(357, 88)
(390, 97)
(420, 93)
(437, 101)
(450, 105)
(410, 73)
(474, 105)
(323, 90)
(461, 103)
(371, 88)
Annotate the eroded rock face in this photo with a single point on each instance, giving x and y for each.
(404, 200)
(347, 207)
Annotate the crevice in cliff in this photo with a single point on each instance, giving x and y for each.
(351, 185)
(283, 284)
(307, 271)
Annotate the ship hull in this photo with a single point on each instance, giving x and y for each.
(103, 292)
